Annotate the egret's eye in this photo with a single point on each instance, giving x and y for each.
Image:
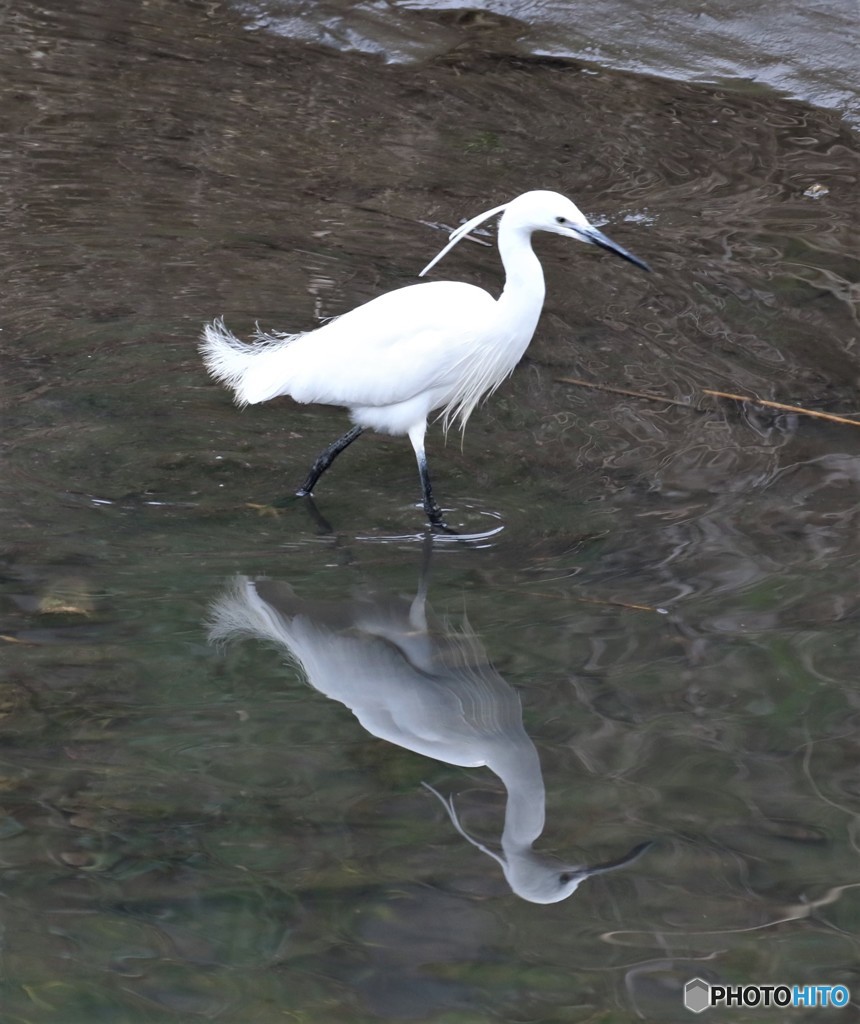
(565, 876)
(561, 220)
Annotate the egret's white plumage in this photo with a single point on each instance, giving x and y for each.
(430, 347)
(340, 362)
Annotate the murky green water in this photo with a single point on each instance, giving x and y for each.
(188, 832)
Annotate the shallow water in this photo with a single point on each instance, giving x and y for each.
(191, 832)
(805, 50)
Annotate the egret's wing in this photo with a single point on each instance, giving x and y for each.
(373, 676)
(420, 735)
(391, 349)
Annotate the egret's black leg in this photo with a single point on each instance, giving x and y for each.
(325, 459)
(434, 513)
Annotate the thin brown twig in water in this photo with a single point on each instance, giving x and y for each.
(623, 604)
(781, 405)
(748, 399)
(598, 600)
(624, 391)
(797, 912)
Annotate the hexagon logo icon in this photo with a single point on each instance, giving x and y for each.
(697, 995)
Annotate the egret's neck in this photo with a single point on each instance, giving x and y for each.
(516, 763)
(524, 289)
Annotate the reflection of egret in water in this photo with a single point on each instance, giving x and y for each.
(423, 687)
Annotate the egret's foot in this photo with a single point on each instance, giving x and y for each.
(442, 527)
(303, 492)
(286, 500)
(437, 520)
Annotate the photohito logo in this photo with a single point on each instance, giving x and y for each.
(699, 995)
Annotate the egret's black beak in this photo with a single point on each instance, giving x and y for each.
(591, 234)
(628, 858)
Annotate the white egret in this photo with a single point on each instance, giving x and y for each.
(440, 345)
(421, 685)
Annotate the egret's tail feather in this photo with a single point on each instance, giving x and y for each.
(241, 612)
(254, 372)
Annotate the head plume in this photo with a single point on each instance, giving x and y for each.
(458, 234)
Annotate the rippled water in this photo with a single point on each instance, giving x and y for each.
(193, 832)
(805, 50)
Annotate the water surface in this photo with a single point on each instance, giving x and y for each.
(804, 50)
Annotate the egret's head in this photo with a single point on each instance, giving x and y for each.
(541, 211)
(542, 879)
(551, 211)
